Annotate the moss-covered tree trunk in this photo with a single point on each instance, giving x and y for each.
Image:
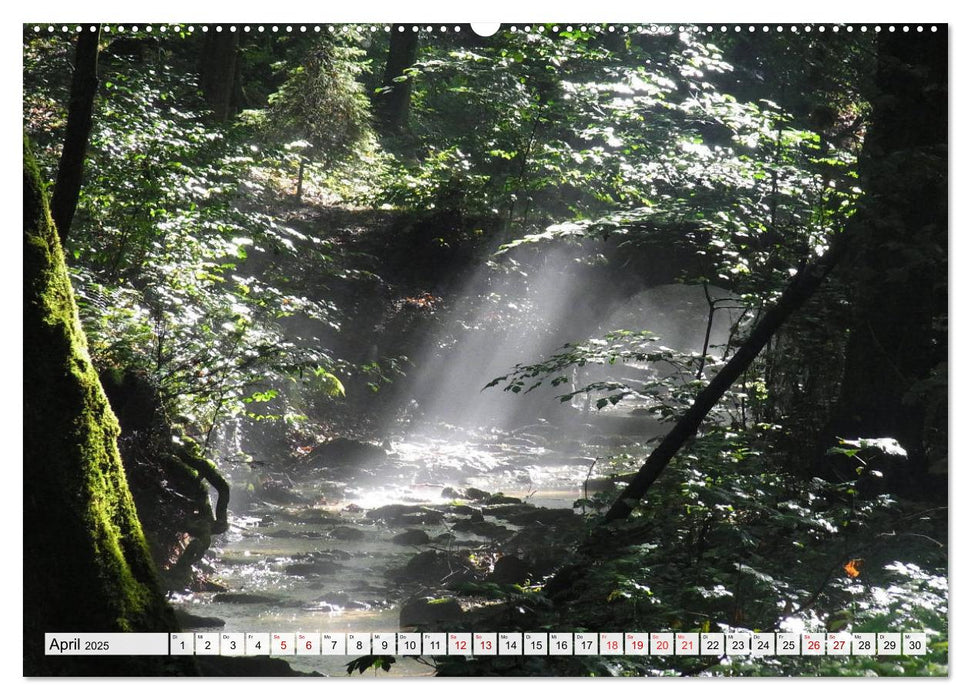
(86, 565)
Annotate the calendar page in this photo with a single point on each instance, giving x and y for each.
(543, 349)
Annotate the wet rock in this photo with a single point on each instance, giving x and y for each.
(245, 599)
(509, 570)
(447, 539)
(322, 607)
(412, 537)
(187, 620)
(430, 612)
(462, 510)
(544, 516)
(497, 499)
(483, 528)
(347, 534)
(449, 492)
(266, 521)
(311, 517)
(338, 554)
(401, 514)
(474, 494)
(598, 484)
(279, 494)
(505, 512)
(430, 568)
(295, 535)
(477, 517)
(320, 567)
(344, 451)
(426, 517)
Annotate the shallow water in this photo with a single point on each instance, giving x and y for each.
(329, 529)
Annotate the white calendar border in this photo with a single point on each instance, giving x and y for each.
(513, 10)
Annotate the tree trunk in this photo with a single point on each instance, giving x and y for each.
(299, 195)
(898, 328)
(84, 85)
(803, 285)
(393, 105)
(218, 72)
(86, 564)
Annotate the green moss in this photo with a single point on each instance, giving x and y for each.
(86, 563)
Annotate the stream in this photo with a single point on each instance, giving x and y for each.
(312, 550)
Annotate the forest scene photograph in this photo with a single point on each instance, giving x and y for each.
(419, 350)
